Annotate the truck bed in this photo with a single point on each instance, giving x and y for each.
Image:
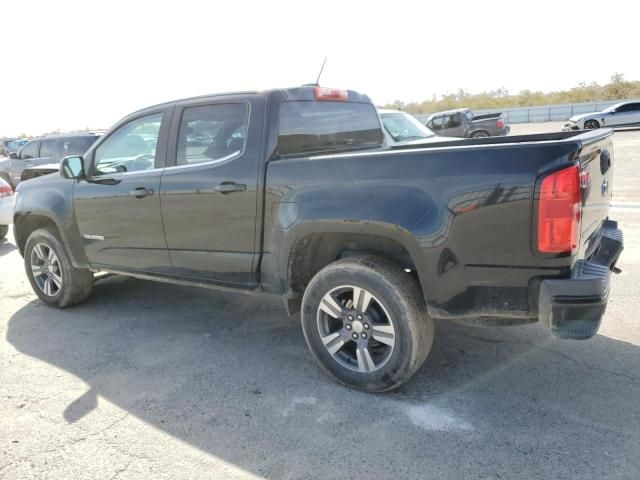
(461, 210)
(486, 116)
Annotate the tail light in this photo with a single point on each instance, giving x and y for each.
(330, 94)
(5, 191)
(500, 123)
(559, 211)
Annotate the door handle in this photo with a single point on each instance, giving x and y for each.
(229, 187)
(141, 192)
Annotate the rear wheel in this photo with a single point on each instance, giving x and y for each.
(4, 229)
(480, 134)
(591, 125)
(365, 322)
(52, 276)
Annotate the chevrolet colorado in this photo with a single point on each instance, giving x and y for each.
(293, 192)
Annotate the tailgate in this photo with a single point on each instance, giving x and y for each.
(596, 180)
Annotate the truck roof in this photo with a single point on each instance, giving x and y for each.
(447, 112)
(304, 93)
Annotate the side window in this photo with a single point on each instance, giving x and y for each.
(76, 145)
(454, 120)
(623, 108)
(131, 148)
(211, 132)
(437, 123)
(49, 148)
(30, 150)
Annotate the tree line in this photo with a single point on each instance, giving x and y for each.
(617, 89)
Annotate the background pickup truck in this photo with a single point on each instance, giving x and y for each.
(293, 192)
(463, 123)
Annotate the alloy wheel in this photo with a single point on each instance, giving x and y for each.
(45, 267)
(355, 328)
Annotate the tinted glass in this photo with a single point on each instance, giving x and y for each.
(452, 121)
(49, 148)
(211, 132)
(30, 150)
(310, 127)
(76, 145)
(131, 148)
(436, 123)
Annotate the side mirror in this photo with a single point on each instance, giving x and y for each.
(13, 155)
(72, 167)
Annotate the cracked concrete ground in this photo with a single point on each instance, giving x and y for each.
(149, 380)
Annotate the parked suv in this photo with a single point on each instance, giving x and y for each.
(44, 150)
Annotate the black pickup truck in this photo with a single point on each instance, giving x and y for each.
(292, 192)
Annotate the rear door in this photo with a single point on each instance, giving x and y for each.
(623, 115)
(49, 152)
(634, 113)
(118, 207)
(209, 191)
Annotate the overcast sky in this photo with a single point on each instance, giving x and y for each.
(68, 65)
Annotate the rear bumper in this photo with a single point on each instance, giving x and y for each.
(573, 307)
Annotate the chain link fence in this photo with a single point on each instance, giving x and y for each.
(544, 113)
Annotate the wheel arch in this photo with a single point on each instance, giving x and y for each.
(480, 130)
(25, 224)
(310, 248)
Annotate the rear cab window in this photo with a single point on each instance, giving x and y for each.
(313, 127)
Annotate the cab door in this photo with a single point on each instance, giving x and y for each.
(453, 125)
(118, 206)
(437, 124)
(209, 193)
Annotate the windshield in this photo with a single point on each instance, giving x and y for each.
(402, 126)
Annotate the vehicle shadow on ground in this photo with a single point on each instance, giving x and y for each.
(6, 247)
(230, 374)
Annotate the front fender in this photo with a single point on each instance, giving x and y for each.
(45, 201)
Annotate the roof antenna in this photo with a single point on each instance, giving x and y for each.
(321, 69)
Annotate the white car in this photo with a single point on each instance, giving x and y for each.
(400, 128)
(624, 114)
(6, 207)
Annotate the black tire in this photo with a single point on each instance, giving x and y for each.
(4, 229)
(591, 125)
(480, 134)
(395, 292)
(76, 283)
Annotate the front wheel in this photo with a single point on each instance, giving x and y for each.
(52, 276)
(591, 125)
(365, 322)
(4, 229)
